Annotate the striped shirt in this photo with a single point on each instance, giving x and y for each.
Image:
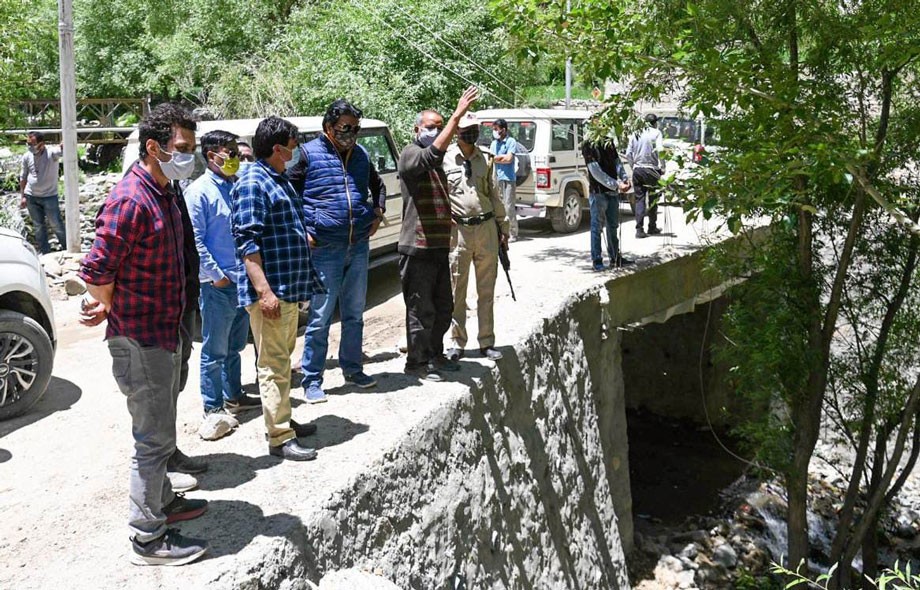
(267, 217)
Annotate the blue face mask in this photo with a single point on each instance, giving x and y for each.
(295, 157)
(244, 164)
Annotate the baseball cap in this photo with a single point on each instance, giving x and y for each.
(469, 120)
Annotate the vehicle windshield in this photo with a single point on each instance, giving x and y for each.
(687, 129)
(524, 132)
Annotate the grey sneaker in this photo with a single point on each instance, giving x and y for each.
(170, 549)
(181, 482)
(361, 379)
(182, 463)
(314, 394)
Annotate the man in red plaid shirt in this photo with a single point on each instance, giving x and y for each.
(136, 279)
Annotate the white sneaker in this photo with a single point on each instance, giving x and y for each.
(182, 482)
(216, 425)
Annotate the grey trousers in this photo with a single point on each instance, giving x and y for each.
(149, 378)
(507, 188)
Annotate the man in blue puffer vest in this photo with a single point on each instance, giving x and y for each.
(340, 215)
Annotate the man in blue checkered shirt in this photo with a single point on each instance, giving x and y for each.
(271, 244)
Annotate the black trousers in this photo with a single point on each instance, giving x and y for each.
(645, 184)
(429, 305)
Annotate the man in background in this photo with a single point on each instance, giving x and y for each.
(503, 149)
(642, 153)
(38, 186)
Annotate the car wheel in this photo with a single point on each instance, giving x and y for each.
(26, 359)
(567, 218)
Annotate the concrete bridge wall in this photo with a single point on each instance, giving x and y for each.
(521, 482)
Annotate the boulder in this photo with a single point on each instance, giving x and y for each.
(74, 285)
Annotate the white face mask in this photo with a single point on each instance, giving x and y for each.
(244, 164)
(426, 137)
(179, 167)
(496, 135)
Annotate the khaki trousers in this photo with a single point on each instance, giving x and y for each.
(275, 341)
(476, 244)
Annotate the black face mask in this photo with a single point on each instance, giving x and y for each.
(469, 135)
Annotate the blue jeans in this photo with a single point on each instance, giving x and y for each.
(224, 328)
(41, 208)
(605, 208)
(343, 270)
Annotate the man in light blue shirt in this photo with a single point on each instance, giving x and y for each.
(503, 149)
(224, 325)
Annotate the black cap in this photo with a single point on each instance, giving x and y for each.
(651, 118)
(501, 123)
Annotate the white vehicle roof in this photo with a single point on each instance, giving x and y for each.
(530, 114)
(247, 127)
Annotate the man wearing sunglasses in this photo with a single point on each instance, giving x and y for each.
(224, 325)
(424, 241)
(475, 206)
(343, 203)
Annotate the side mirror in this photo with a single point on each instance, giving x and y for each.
(381, 162)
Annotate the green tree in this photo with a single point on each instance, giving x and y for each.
(389, 57)
(809, 95)
(28, 55)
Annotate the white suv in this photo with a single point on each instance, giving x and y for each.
(27, 334)
(558, 187)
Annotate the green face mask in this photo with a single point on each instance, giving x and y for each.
(230, 166)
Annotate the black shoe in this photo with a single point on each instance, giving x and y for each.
(653, 231)
(428, 372)
(182, 463)
(454, 354)
(181, 508)
(243, 403)
(301, 430)
(170, 549)
(292, 451)
(620, 261)
(490, 353)
(444, 364)
(640, 233)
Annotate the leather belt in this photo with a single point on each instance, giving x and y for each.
(475, 219)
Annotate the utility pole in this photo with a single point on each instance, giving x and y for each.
(568, 67)
(69, 124)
